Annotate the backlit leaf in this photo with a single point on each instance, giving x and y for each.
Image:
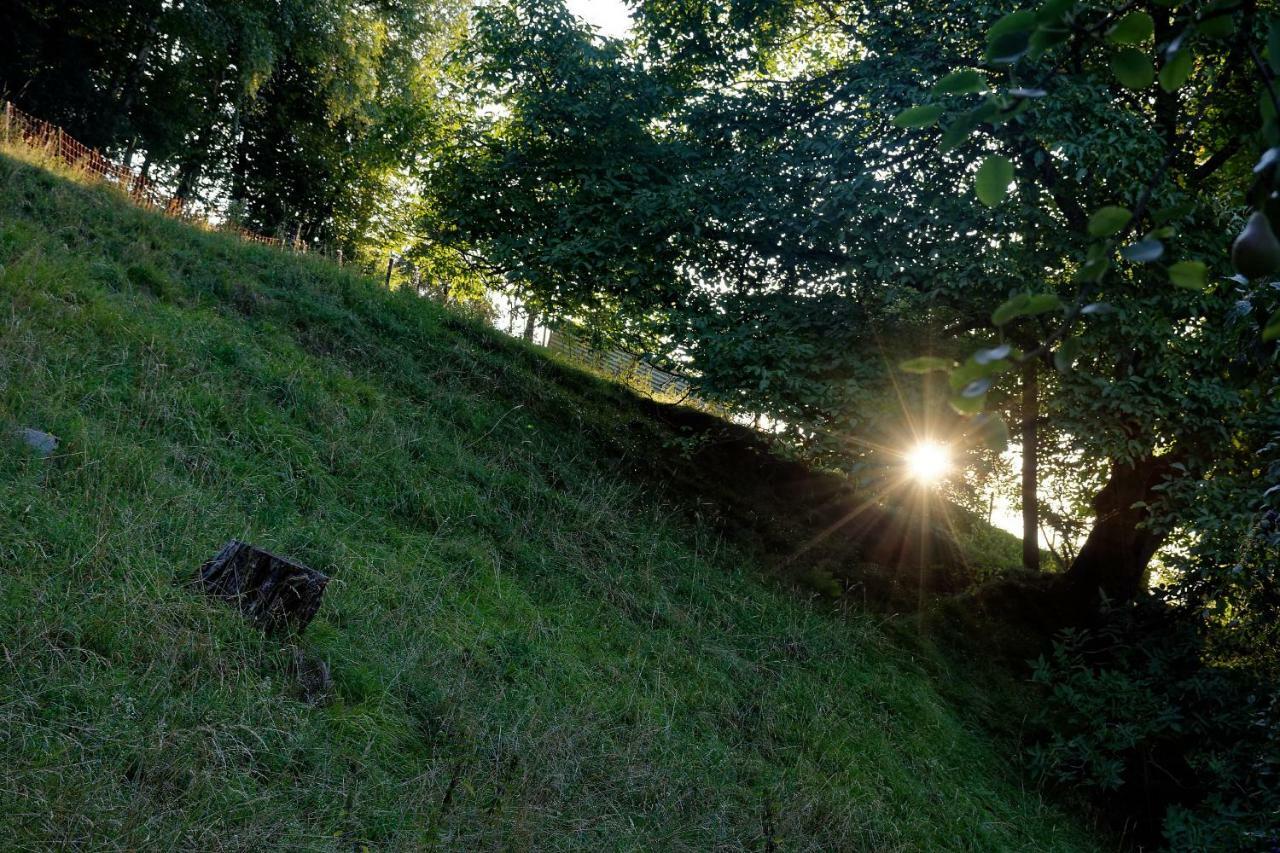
(968, 405)
(921, 116)
(993, 431)
(1133, 28)
(1217, 23)
(1109, 220)
(1143, 251)
(1064, 358)
(1008, 48)
(987, 356)
(1053, 11)
(994, 176)
(964, 82)
(1043, 303)
(1010, 310)
(1177, 70)
(1189, 275)
(1014, 22)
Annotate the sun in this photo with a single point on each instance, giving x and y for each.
(928, 462)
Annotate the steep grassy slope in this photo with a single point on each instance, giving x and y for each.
(529, 649)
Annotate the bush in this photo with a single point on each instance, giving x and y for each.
(1168, 713)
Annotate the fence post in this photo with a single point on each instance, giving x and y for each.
(391, 262)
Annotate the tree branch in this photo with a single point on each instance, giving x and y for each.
(1216, 162)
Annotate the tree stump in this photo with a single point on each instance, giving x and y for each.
(278, 594)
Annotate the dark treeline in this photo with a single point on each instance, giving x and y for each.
(296, 118)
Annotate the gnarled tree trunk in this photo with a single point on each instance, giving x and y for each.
(1116, 555)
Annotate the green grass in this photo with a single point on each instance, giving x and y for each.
(530, 648)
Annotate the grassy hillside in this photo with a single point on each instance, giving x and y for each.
(530, 647)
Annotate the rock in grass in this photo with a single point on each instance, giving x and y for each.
(41, 442)
(276, 593)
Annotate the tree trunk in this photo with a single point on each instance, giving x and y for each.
(530, 324)
(1030, 469)
(194, 163)
(1114, 559)
(124, 87)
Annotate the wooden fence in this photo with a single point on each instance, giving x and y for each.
(625, 367)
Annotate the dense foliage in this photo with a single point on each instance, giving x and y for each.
(1169, 711)
(298, 118)
(757, 192)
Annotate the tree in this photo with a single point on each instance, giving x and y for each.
(757, 192)
(1174, 384)
(307, 116)
(351, 106)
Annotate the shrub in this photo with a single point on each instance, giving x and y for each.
(1168, 712)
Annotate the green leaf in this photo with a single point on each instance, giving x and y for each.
(994, 176)
(1108, 221)
(1218, 25)
(1133, 68)
(925, 364)
(1042, 303)
(1068, 351)
(1023, 305)
(1008, 48)
(1177, 70)
(970, 382)
(1010, 310)
(967, 81)
(1272, 330)
(1093, 270)
(986, 357)
(1189, 275)
(956, 133)
(1046, 39)
(1014, 22)
(1133, 28)
(921, 116)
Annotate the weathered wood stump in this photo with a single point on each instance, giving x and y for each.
(276, 593)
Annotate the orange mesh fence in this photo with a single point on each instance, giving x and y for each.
(17, 126)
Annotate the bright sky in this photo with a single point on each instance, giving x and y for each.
(610, 17)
